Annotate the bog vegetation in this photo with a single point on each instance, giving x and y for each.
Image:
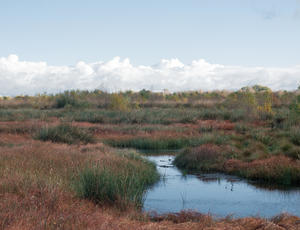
(56, 150)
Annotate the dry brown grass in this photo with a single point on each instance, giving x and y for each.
(271, 169)
(35, 177)
(35, 193)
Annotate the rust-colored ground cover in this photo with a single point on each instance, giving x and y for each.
(35, 194)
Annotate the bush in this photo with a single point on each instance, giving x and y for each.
(64, 133)
(66, 99)
(118, 102)
(70, 99)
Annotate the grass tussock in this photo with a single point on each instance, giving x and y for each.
(123, 186)
(279, 170)
(203, 158)
(295, 135)
(37, 192)
(65, 133)
(37, 184)
(276, 170)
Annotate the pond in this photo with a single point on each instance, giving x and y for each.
(218, 194)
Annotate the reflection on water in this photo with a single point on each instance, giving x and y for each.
(217, 194)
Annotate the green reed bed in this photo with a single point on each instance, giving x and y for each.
(64, 133)
(167, 143)
(276, 169)
(137, 128)
(163, 116)
(122, 184)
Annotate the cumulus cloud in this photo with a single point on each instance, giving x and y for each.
(20, 77)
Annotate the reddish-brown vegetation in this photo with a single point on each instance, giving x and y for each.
(35, 194)
(238, 132)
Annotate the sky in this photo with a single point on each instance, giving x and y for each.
(55, 45)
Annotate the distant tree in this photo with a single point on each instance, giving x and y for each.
(145, 94)
(260, 88)
(119, 102)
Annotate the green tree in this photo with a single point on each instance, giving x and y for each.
(119, 102)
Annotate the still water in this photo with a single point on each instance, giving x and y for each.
(217, 194)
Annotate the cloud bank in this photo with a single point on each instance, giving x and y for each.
(21, 77)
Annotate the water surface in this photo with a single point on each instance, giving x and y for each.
(218, 194)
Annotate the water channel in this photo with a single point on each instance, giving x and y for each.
(217, 194)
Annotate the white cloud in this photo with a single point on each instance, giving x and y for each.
(21, 77)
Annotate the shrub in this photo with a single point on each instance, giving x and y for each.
(64, 133)
(66, 99)
(118, 102)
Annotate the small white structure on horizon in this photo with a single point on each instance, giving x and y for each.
(166, 92)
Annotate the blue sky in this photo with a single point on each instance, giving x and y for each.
(56, 45)
(229, 32)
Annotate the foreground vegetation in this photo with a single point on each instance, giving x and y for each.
(58, 172)
(42, 176)
(39, 190)
(122, 182)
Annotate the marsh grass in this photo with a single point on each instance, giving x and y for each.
(58, 186)
(275, 170)
(138, 129)
(184, 216)
(241, 128)
(65, 133)
(95, 172)
(167, 143)
(122, 181)
(295, 135)
(256, 166)
(164, 116)
(122, 188)
(203, 158)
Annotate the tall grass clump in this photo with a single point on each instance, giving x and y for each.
(123, 185)
(203, 158)
(70, 99)
(64, 133)
(295, 135)
(275, 170)
(148, 143)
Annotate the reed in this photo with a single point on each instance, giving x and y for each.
(64, 133)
